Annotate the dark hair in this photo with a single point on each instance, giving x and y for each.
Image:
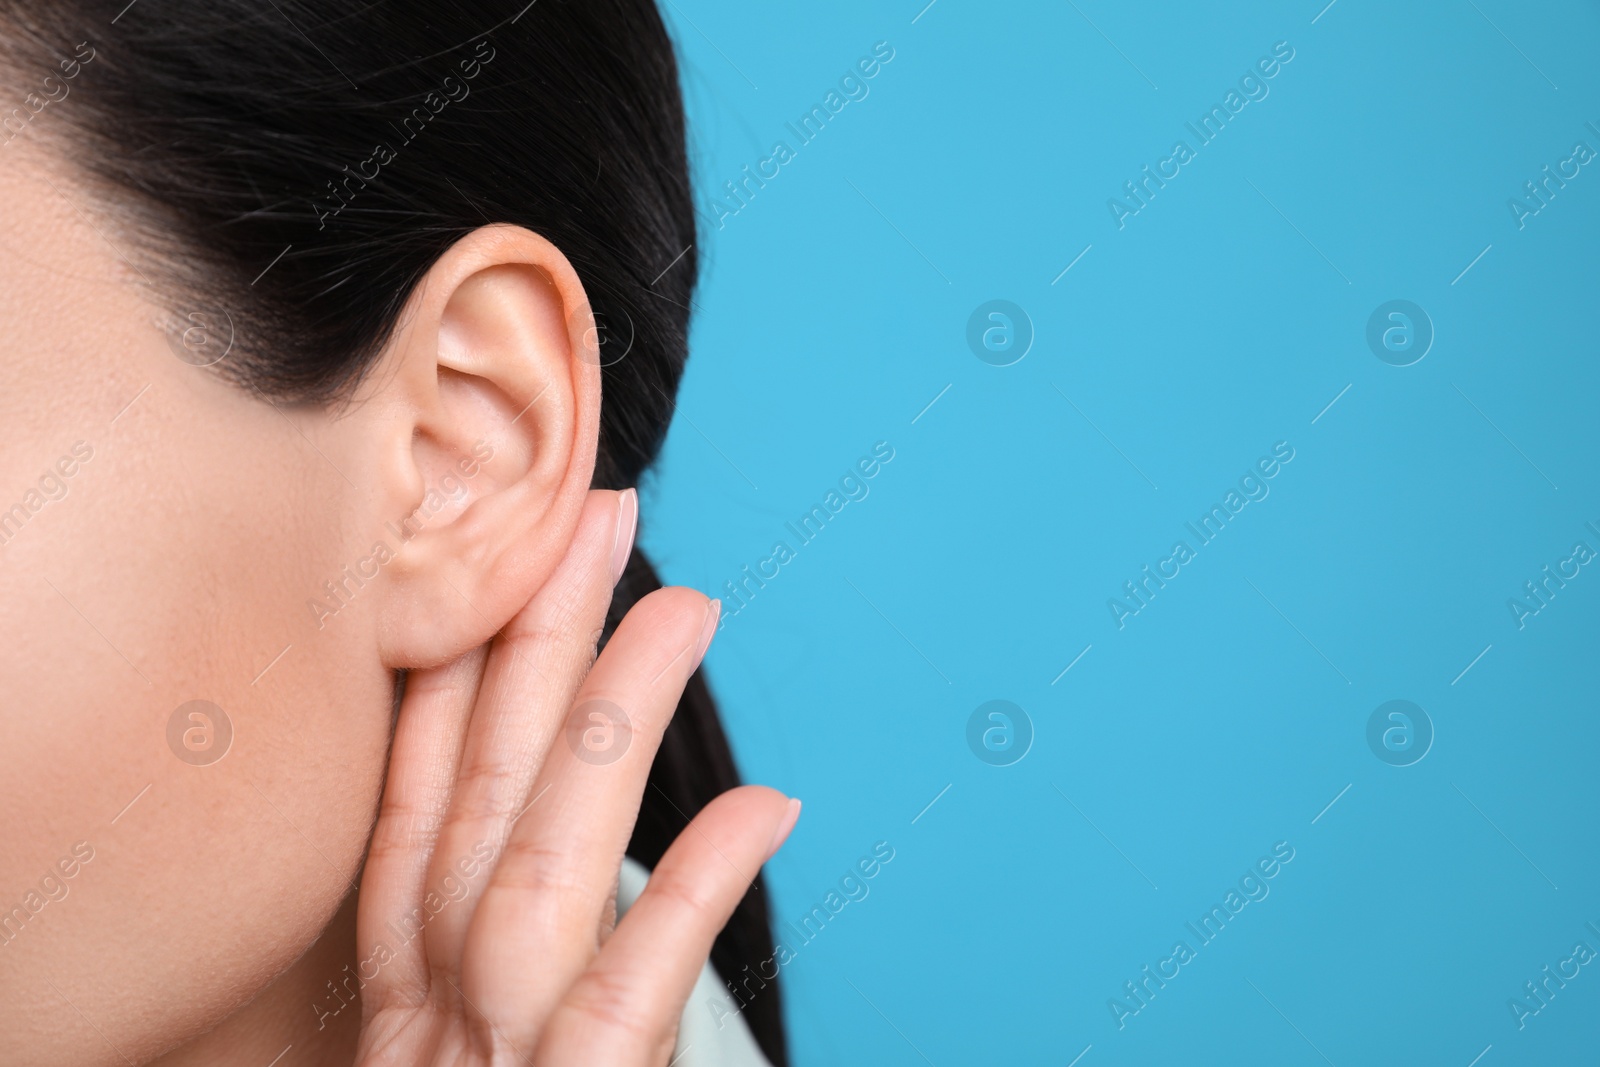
(293, 170)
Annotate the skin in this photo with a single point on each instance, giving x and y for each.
(222, 899)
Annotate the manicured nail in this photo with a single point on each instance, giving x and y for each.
(627, 527)
(707, 630)
(781, 834)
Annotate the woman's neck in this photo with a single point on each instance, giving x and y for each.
(296, 1021)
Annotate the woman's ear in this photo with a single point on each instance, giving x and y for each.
(487, 405)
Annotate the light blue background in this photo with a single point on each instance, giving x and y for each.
(1216, 323)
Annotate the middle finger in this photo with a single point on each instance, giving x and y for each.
(535, 665)
(551, 891)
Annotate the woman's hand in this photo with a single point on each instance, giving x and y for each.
(487, 907)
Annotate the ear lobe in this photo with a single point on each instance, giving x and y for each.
(493, 447)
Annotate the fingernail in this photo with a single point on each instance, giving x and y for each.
(627, 526)
(707, 630)
(781, 834)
